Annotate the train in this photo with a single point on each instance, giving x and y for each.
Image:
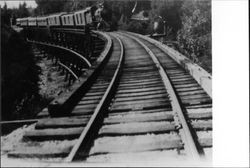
(89, 16)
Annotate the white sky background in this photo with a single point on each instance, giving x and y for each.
(230, 51)
(15, 3)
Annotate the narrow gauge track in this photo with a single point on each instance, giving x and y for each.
(56, 137)
(195, 102)
(143, 117)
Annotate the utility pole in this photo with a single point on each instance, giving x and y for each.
(164, 24)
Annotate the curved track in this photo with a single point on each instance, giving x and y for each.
(148, 114)
(141, 104)
(55, 137)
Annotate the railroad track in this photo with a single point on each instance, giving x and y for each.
(141, 104)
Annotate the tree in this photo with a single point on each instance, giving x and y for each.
(5, 15)
(19, 80)
(50, 6)
(170, 11)
(23, 11)
(194, 38)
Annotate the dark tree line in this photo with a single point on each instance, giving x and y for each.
(19, 73)
(7, 13)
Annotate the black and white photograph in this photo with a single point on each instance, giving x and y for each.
(130, 83)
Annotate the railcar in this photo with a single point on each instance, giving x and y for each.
(23, 22)
(68, 20)
(32, 21)
(78, 19)
(54, 20)
(42, 21)
(88, 16)
(83, 17)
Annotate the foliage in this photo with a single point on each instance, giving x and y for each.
(20, 12)
(194, 38)
(169, 10)
(137, 27)
(19, 76)
(50, 6)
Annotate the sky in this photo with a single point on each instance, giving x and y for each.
(15, 3)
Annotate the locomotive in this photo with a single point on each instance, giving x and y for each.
(89, 16)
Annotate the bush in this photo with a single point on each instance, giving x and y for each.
(194, 38)
(19, 76)
(138, 27)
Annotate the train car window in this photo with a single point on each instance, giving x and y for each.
(77, 19)
(82, 17)
(85, 18)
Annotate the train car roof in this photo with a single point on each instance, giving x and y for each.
(41, 17)
(71, 13)
(26, 18)
(83, 10)
(56, 14)
(29, 18)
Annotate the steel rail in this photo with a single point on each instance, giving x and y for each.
(19, 121)
(64, 101)
(197, 72)
(63, 48)
(69, 70)
(8, 126)
(188, 138)
(87, 130)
